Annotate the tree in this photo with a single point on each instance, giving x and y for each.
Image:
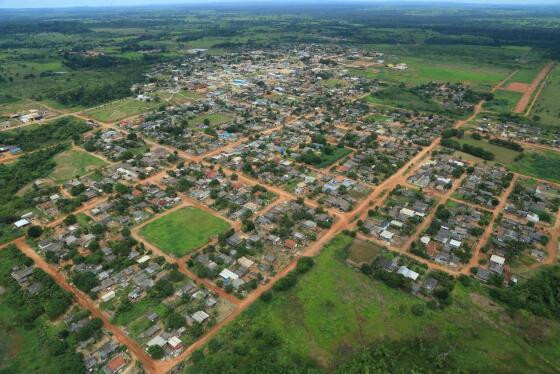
(70, 220)
(156, 352)
(34, 231)
(175, 321)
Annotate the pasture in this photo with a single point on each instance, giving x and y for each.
(547, 108)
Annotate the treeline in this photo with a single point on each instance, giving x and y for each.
(89, 96)
(54, 132)
(14, 176)
(467, 148)
(539, 294)
(507, 144)
(76, 61)
(32, 27)
(30, 311)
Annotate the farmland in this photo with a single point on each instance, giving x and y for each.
(182, 231)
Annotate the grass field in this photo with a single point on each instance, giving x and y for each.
(338, 153)
(421, 71)
(333, 82)
(526, 75)
(214, 118)
(183, 230)
(72, 163)
(547, 107)
(504, 101)
(539, 164)
(503, 155)
(120, 109)
(335, 311)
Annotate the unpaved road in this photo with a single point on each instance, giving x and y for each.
(526, 98)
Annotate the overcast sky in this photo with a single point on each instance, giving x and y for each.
(74, 3)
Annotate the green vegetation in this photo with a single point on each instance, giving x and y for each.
(74, 163)
(503, 101)
(55, 132)
(326, 157)
(183, 230)
(547, 108)
(121, 109)
(33, 342)
(210, 119)
(325, 321)
(525, 75)
(539, 164)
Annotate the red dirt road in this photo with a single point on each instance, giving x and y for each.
(526, 98)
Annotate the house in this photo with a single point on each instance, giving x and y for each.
(200, 316)
(496, 264)
(228, 274)
(407, 273)
(430, 284)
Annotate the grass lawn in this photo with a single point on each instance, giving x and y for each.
(72, 163)
(335, 311)
(547, 107)
(120, 109)
(526, 75)
(504, 101)
(338, 153)
(183, 230)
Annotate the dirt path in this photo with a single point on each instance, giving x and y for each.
(86, 303)
(490, 228)
(526, 98)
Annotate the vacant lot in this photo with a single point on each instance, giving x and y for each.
(420, 71)
(73, 163)
(183, 230)
(337, 154)
(503, 155)
(539, 164)
(120, 109)
(214, 118)
(335, 311)
(504, 101)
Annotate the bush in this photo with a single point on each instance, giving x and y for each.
(417, 310)
(304, 265)
(266, 296)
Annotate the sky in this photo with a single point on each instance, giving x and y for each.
(75, 3)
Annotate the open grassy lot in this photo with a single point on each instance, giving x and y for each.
(72, 163)
(334, 311)
(333, 82)
(214, 118)
(547, 107)
(420, 71)
(504, 101)
(525, 75)
(120, 109)
(183, 230)
(337, 154)
(539, 164)
(503, 155)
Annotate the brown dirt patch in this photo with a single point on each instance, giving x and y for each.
(518, 87)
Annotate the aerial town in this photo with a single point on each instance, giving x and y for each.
(169, 217)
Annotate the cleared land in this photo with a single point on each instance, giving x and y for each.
(335, 311)
(422, 71)
(547, 107)
(214, 118)
(504, 101)
(73, 163)
(120, 109)
(184, 230)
